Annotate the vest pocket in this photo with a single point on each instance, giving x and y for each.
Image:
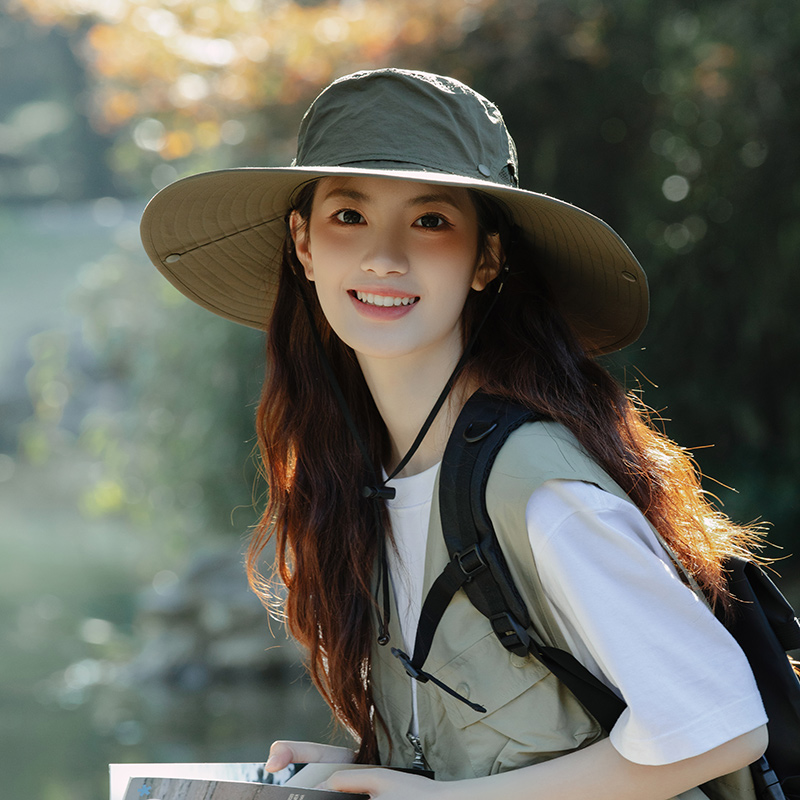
(485, 674)
(530, 716)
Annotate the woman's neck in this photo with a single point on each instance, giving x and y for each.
(405, 392)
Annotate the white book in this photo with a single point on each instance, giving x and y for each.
(223, 782)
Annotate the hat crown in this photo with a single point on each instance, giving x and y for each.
(407, 120)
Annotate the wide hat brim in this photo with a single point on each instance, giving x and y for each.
(218, 238)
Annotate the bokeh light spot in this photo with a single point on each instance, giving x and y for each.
(675, 188)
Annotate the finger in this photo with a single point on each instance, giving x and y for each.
(283, 753)
(365, 781)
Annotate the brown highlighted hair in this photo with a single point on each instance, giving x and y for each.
(324, 529)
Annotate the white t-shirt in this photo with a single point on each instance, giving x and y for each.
(625, 613)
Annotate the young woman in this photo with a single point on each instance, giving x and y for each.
(398, 269)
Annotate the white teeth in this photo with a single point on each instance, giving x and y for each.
(383, 300)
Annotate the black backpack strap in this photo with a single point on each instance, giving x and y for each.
(480, 431)
(764, 624)
(478, 565)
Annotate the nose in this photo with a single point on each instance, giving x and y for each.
(385, 255)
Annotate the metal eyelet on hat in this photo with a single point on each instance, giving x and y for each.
(484, 170)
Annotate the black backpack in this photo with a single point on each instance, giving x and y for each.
(764, 623)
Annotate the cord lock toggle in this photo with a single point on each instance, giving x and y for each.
(378, 492)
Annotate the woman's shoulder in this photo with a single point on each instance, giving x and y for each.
(538, 452)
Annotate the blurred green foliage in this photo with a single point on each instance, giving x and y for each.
(172, 444)
(48, 148)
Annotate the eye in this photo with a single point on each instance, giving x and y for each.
(349, 217)
(431, 221)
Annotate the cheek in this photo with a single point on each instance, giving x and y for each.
(328, 250)
(455, 264)
(316, 260)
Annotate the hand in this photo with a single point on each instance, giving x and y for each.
(281, 754)
(387, 784)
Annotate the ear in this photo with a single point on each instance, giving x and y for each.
(490, 263)
(298, 228)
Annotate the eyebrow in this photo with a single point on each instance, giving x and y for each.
(419, 200)
(349, 194)
(434, 197)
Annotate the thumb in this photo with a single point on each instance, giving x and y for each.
(281, 754)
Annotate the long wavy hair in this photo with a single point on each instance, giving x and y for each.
(325, 531)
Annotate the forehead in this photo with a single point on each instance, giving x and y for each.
(371, 189)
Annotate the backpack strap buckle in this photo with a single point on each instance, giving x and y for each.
(511, 634)
(471, 561)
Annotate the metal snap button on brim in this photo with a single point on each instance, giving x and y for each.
(463, 689)
(172, 259)
(484, 170)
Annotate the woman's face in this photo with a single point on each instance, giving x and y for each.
(392, 262)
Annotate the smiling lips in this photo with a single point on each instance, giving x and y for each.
(382, 300)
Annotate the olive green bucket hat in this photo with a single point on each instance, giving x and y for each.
(218, 236)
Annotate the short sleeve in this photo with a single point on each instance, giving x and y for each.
(632, 622)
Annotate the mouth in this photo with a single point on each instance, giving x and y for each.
(382, 300)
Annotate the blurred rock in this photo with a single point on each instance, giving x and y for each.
(208, 627)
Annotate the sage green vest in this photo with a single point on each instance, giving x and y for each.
(530, 716)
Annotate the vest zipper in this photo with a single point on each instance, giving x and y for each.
(419, 757)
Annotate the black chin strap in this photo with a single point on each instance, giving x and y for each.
(378, 491)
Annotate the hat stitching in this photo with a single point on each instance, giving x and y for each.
(226, 236)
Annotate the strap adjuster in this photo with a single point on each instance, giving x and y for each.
(471, 561)
(511, 634)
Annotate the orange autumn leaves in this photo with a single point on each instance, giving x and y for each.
(195, 66)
